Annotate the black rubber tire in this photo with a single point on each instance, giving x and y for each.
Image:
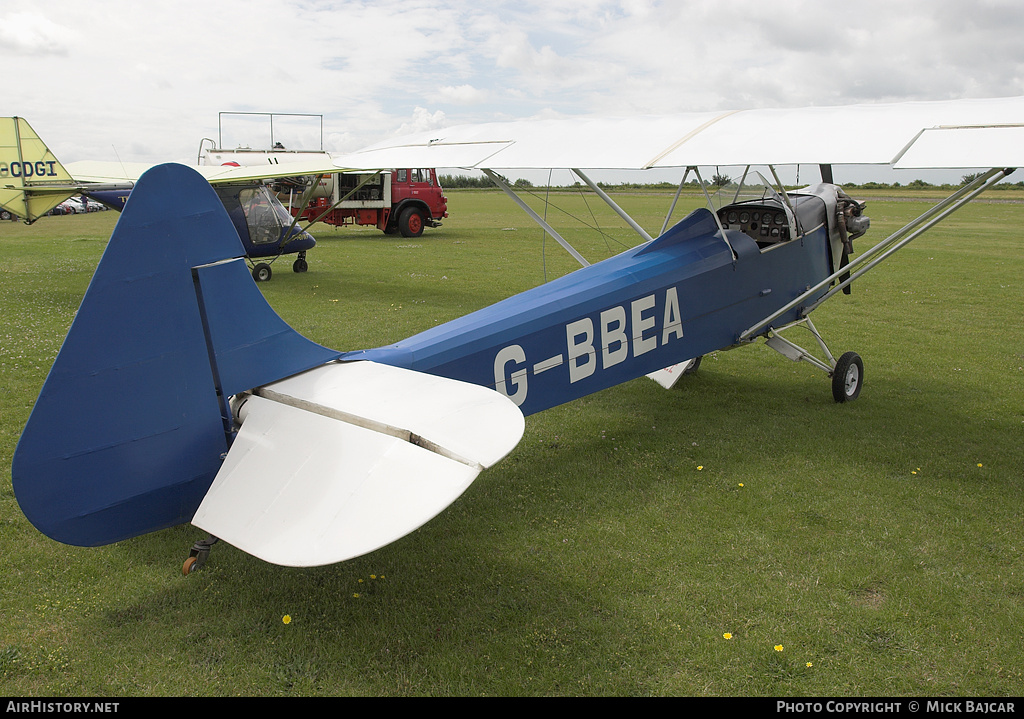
(411, 222)
(261, 272)
(847, 377)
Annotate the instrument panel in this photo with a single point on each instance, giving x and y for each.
(765, 225)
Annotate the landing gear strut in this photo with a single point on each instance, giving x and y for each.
(847, 372)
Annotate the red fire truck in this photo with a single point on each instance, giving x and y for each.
(399, 201)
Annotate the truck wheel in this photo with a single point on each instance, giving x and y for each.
(411, 222)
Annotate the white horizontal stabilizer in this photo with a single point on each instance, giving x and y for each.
(348, 457)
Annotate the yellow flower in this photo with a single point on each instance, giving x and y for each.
(741, 484)
(778, 647)
(373, 576)
(979, 464)
(356, 595)
(727, 635)
(809, 665)
(287, 619)
(700, 467)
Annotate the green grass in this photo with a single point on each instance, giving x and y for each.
(609, 554)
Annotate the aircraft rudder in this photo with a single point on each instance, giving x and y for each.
(132, 423)
(32, 179)
(129, 411)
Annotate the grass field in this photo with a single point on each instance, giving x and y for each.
(739, 535)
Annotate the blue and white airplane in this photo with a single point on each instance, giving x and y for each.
(180, 396)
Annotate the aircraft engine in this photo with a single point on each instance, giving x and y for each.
(851, 217)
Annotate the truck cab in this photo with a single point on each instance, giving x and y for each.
(417, 201)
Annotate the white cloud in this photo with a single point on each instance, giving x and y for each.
(462, 95)
(423, 120)
(30, 33)
(149, 78)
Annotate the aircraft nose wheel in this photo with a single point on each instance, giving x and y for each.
(847, 377)
(198, 555)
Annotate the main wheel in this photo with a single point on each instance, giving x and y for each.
(261, 272)
(847, 377)
(693, 365)
(410, 223)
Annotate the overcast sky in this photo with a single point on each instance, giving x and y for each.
(145, 81)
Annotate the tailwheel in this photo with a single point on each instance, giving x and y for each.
(198, 555)
(847, 377)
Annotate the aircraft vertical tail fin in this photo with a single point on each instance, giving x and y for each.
(32, 180)
(132, 423)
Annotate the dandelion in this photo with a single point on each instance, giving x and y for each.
(741, 484)
(778, 647)
(700, 467)
(727, 635)
(286, 619)
(979, 464)
(810, 664)
(356, 595)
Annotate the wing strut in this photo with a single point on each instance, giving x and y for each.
(675, 200)
(711, 206)
(611, 203)
(886, 247)
(536, 218)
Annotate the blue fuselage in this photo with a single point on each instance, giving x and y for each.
(678, 297)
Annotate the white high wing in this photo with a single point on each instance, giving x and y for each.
(903, 135)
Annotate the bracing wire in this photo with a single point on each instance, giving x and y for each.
(608, 237)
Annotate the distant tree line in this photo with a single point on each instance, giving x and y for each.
(718, 180)
(465, 182)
